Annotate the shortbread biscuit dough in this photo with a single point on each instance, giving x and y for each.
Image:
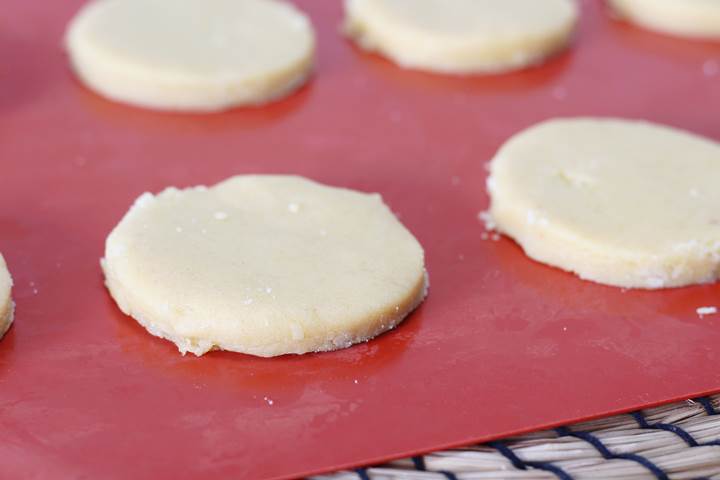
(6, 304)
(688, 18)
(193, 55)
(264, 265)
(462, 36)
(620, 202)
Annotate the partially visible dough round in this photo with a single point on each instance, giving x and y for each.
(194, 55)
(6, 304)
(462, 36)
(264, 265)
(689, 18)
(620, 202)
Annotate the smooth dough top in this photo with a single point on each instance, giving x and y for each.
(191, 54)
(6, 305)
(264, 265)
(621, 202)
(690, 18)
(462, 36)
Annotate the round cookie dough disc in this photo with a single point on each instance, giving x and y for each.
(264, 265)
(689, 18)
(195, 55)
(620, 202)
(6, 304)
(462, 36)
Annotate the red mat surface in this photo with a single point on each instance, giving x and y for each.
(503, 345)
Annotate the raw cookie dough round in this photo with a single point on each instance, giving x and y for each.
(264, 265)
(625, 203)
(462, 36)
(689, 18)
(195, 55)
(6, 304)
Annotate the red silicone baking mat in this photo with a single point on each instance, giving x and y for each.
(502, 345)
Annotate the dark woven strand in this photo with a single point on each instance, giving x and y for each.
(680, 432)
(707, 405)
(419, 463)
(518, 463)
(608, 455)
(643, 423)
(362, 473)
(448, 475)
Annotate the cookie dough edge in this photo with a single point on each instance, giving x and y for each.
(7, 317)
(384, 322)
(7, 311)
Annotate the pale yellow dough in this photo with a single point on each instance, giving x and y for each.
(6, 305)
(625, 203)
(462, 36)
(194, 55)
(264, 265)
(689, 18)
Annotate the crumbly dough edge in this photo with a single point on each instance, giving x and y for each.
(365, 331)
(560, 248)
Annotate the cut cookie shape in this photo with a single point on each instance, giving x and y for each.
(264, 265)
(625, 203)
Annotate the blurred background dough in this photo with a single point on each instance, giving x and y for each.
(196, 55)
(462, 36)
(688, 18)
